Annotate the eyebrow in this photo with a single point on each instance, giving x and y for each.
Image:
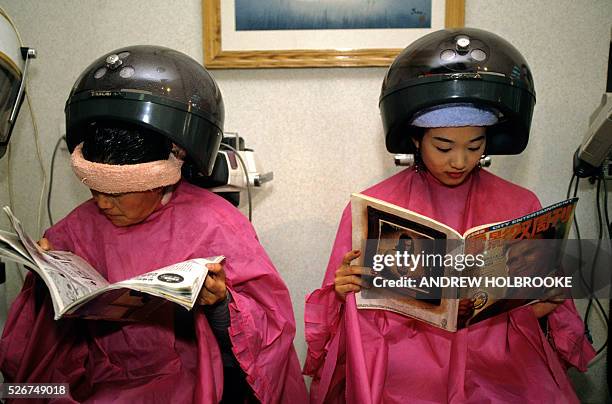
(445, 140)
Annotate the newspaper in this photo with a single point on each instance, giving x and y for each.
(424, 269)
(78, 290)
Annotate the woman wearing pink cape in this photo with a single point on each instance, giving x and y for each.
(448, 98)
(130, 148)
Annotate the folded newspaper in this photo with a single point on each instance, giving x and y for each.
(78, 290)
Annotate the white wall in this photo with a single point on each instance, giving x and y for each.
(318, 129)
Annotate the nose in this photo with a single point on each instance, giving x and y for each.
(458, 160)
(103, 201)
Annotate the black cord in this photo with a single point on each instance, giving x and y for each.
(246, 175)
(51, 178)
(599, 221)
(590, 286)
(606, 215)
(580, 272)
(599, 241)
(587, 330)
(569, 188)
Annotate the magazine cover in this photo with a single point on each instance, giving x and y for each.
(527, 247)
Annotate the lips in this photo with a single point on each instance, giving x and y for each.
(455, 175)
(112, 218)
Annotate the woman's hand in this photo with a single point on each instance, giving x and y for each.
(45, 244)
(545, 307)
(214, 289)
(464, 312)
(348, 277)
(466, 308)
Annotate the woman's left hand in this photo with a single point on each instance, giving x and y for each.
(545, 307)
(214, 289)
(45, 244)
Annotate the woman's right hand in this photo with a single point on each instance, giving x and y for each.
(45, 244)
(348, 277)
(465, 311)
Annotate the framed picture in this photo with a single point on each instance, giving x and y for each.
(318, 33)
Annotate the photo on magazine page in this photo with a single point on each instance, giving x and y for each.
(401, 248)
(393, 248)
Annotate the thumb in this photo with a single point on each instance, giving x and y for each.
(45, 244)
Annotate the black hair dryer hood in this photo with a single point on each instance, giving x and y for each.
(159, 88)
(462, 65)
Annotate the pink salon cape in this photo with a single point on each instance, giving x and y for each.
(134, 363)
(376, 356)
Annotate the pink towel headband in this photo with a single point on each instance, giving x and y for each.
(117, 179)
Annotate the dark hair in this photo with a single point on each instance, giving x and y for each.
(121, 143)
(417, 133)
(404, 240)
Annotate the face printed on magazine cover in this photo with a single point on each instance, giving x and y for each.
(450, 154)
(528, 258)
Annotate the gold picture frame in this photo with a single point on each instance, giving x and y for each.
(215, 57)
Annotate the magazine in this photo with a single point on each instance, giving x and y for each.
(78, 290)
(422, 268)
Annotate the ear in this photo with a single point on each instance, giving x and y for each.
(417, 144)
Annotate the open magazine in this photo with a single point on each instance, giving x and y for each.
(78, 290)
(424, 269)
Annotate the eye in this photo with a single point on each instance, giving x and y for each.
(443, 150)
(475, 148)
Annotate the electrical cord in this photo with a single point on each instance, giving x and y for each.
(246, 175)
(589, 285)
(599, 237)
(587, 331)
(577, 230)
(606, 214)
(9, 180)
(57, 144)
(10, 20)
(569, 188)
(40, 163)
(599, 241)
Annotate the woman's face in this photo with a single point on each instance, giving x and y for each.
(128, 208)
(450, 154)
